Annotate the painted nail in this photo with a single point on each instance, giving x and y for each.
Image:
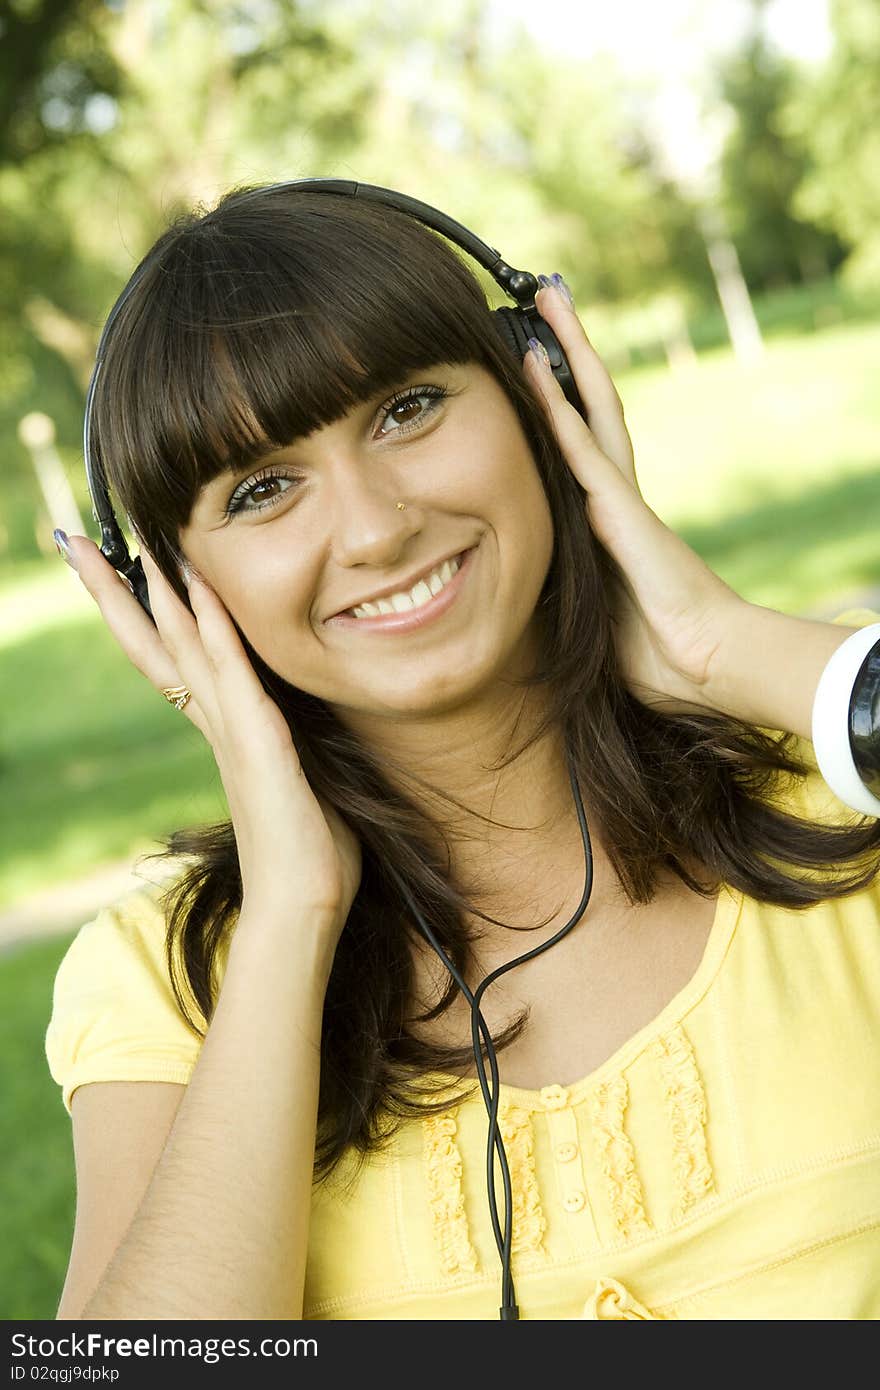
(563, 288)
(541, 354)
(64, 550)
(556, 282)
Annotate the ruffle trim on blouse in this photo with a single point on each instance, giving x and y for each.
(686, 1101)
(610, 1301)
(608, 1107)
(529, 1222)
(449, 1219)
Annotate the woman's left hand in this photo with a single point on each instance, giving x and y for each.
(673, 610)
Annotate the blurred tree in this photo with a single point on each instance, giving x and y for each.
(555, 153)
(763, 164)
(56, 76)
(589, 155)
(838, 119)
(42, 88)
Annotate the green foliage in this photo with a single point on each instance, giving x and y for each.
(763, 165)
(51, 66)
(839, 121)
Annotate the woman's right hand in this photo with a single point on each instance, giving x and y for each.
(294, 849)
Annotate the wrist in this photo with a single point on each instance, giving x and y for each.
(767, 670)
(305, 933)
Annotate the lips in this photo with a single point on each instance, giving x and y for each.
(412, 620)
(401, 588)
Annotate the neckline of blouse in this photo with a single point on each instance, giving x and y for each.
(727, 913)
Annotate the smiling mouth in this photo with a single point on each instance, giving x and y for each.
(411, 618)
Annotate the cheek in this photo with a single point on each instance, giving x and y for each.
(269, 599)
(524, 509)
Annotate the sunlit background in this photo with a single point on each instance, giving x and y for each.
(706, 177)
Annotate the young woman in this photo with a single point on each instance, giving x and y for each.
(414, 602)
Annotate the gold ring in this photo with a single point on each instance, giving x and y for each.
(177, 695)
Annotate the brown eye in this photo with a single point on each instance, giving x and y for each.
(408, 409)
(250, 497)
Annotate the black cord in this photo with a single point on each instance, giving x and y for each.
(503, 1240)
(495, 1140)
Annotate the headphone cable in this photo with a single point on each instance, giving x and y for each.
(508, 1310)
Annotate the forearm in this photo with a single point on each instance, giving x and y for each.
(222, 1230)
(768, 668)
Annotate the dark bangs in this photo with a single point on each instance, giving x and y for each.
(258, 322)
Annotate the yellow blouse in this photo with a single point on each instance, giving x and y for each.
(723, 1163)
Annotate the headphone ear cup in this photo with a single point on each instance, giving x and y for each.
(511, 331)
(516, 326)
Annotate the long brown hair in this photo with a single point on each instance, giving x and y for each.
(260, 321)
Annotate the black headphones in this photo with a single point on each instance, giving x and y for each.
(515, 326)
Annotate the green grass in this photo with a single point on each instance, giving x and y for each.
(771, 470)
(726, 436)
(94, 765)
(36, 1156)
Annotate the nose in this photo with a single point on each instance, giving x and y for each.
(368, 526)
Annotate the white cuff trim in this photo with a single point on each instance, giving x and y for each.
(831, 722)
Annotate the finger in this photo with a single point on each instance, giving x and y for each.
(591, 465)
(180, 634)
(138, 637)
(597, 390)
(221, 660)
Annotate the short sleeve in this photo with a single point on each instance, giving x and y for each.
(114, 1014)
(857, 617)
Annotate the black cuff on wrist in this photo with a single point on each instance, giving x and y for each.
(864, 720)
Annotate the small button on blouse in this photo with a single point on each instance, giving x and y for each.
(554, 1097)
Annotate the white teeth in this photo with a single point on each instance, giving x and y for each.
(421, 593)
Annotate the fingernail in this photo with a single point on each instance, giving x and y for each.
(64, 550)
(185, 573)
(556, 282)
(563, 288)
(540, 352)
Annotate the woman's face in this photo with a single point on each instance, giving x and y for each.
(319, 532)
